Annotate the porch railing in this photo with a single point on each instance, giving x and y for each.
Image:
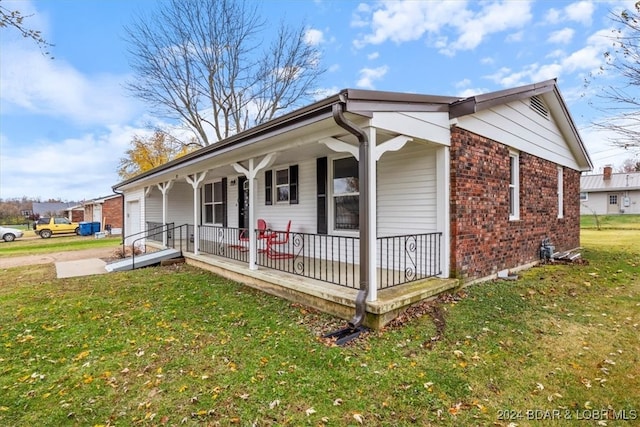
(332, 259)
(155, 230)
(220, 241)
(407, 258)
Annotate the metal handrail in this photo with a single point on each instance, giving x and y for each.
(164, 228)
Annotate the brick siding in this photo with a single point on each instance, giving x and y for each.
(483, 239)
(112, 212)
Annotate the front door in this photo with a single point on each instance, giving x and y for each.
(613, 203)
(243, 202)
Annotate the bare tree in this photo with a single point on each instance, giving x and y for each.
(207, 64)
(15, 19)
(630, 165)
(622, 101)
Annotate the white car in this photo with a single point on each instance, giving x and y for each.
(10, 234)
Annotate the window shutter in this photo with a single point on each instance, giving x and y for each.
(293, 185)
(321, 195)
(268, 187)
(224, 202)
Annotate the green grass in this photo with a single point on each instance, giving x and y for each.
(619, 222)
(55, 243)
(179, 346)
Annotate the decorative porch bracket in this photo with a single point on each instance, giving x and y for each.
(251, 174)
(340, 146)
(195, 180)
(394, 144)
(164, 188)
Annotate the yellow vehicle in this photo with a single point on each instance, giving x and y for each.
(47, 226)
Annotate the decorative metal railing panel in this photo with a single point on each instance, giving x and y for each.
(221, 241)
(332, 259)
(407, 258)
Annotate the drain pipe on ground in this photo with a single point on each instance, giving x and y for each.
(354, 327)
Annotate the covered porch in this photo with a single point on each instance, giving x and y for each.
(359, 199)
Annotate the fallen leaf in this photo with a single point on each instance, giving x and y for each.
(310, 411)
(337, 402)
(359, 418)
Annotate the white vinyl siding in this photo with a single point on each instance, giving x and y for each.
(407, 191)
(517, 125)
(303, 214)
(179, 204)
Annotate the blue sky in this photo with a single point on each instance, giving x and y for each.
(66, 122)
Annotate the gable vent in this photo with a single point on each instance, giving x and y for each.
(538, 105)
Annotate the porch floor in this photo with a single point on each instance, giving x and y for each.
(324, 296)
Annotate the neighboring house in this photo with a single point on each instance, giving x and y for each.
(70, 210)
(610, 193)
(107, 211)
(392, 197)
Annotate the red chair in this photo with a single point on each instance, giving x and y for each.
(263, 233)
(278, 239)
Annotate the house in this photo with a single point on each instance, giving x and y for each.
(73, 211)
(380, 199)
(107, 211)
(610, 193)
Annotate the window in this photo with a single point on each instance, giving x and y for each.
(584, 196)
(61, 221)
(286, 185)
(282, 185)
(514, 186)
(214, 203)
(613, 199)
(346, 194)
(560, 193)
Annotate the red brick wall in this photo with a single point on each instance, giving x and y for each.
(483, 240)
(112, 212)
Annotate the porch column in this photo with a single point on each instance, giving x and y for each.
(164, 188)
(443, 217)
(251, 174)
(371, 160)
(195, 181)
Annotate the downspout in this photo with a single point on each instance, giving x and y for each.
(363, 217)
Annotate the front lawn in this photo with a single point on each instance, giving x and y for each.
(176, 345)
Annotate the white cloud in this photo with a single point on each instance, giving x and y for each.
(33, 82)
(472, 92)
(450, 26)
(74, 168)
(515, 37)
(373, 55)
(369, 75)
(313, 37)
(587, 59)
(552, 16)
(462, 83)
(581, 11)
(562, 36)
